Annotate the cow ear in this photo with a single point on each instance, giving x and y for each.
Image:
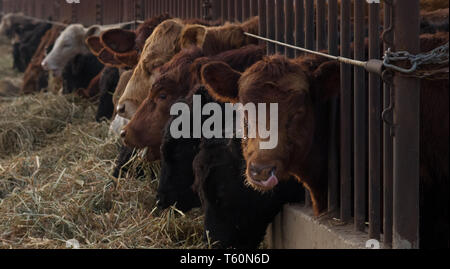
(128, 59)
(119, 40)
(94, 45)
(221, 81)
(92, 31)
(108, 59)
(325, 81)
(193, 35)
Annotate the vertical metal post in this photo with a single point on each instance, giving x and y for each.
(183, 9)
(309, 17)
(321, 42)
(238, 9)
(270, 11)
(224, 10)
(262, 18)
(360, 118)
(289, 26)
(279, 25)
(407, 131)
(346, 114)
(253, 8)
(333, 159)
(374, 127)
(245, 9)
(231, 15)
(388, 172)
(299, 25)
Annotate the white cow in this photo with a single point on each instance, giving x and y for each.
(72, 42)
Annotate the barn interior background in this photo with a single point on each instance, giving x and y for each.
(368, 201)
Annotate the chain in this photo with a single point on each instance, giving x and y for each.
(438, 56)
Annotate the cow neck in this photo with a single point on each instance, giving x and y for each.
(313, 169)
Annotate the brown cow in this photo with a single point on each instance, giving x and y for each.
(35, 77)
(301, 88)
(159, 50)
(178, 79)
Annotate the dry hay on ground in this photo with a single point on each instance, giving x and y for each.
(55, 183)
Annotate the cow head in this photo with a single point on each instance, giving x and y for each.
(159, 48)
(174, 82)
(213, 40)
(69, 43)
(297, 87)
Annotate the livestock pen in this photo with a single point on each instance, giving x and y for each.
(374, 163)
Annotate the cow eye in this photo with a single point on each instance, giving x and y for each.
(163, 96)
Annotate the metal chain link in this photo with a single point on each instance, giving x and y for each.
(438, 56)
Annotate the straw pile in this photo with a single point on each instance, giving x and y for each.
(55, 182)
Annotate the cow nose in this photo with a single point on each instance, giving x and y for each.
(123, 134)
(258, 170)
(44, 65)
(121, 109)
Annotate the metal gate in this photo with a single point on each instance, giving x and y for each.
(373, 174)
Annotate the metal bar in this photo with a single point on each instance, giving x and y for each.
(333, 158)
(309, 21)
(346, 114)
(299, 25)
(374, 127)
(270, 8)
(224, 10)
(231, 11)
(289, 26)
(238, 10)
(279, 25)
(216, 9)
(253, 8)
(321, 42)
(183, 9)
(245, 10)
(197, 8)
(262, 18)
(406, 138)
(388, 172)
(360, 118)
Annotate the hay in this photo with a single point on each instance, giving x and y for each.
(55, 183)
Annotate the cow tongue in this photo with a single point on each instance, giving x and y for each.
(270, 183)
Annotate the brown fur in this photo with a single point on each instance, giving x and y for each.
(121, 85)
(214, 40)
(301, 87)
(34, 74)
(178, 79)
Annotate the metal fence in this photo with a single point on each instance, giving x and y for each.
(372, 173)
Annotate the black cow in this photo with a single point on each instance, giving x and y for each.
(79, 72)
(212, 171)
(24, 49)
(108, 83)
(236, 216)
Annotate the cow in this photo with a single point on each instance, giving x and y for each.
(79, 71)
(210, 173)
(301, 87)
(70, 43)
(35, 77)
(14, 25)
(108, 83)
(118, 47)
(119, 122)
(177, 78)
(167, 40)
(235, 215)
(26, 46)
